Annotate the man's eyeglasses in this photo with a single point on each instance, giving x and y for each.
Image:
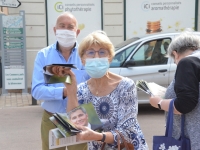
(91, 53)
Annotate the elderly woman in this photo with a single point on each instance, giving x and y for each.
(114, 97)
(185, 87)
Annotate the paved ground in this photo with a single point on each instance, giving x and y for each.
(20, 128)
(20, 122)
(152, 122)
(15, 100)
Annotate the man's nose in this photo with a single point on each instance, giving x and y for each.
(79, 118)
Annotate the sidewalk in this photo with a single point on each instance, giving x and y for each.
(16, 100)
(20, 122)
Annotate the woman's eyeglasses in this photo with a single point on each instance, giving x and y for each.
(91, 53)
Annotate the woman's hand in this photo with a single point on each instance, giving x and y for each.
(88, 134)
(71, 92)
(71, 88)
(153, 100)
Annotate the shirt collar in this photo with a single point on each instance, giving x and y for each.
(74, 48)
(89, 125)
(195, 53)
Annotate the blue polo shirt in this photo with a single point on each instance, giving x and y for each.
(52, 94)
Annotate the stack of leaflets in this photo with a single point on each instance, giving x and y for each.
(64, 125)
(151, 88)
(57, 73)
(65, 133)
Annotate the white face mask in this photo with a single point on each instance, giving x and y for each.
(66, 38)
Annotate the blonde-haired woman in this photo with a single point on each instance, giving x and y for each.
(114, 97)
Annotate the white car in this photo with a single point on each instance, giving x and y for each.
(144, 58)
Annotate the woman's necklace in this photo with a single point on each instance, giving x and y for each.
(97, 87)
(101, 83)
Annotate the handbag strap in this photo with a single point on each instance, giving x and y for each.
(123, 140)
(103, 146)
(182, 125)
(119, 135)
(169, 125)
(118, 142)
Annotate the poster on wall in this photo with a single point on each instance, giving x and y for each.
(158, 16)
(87, 12)
(14, 79)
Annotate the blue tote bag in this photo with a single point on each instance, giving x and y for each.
(167, 142)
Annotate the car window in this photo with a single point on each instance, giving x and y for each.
(165, 45)
(120, 57)
(125, 43)
(151, 53)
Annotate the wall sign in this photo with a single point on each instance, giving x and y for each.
(10, 3)
(13, 52)
(156, 16)
(14, 79)
(87, 12)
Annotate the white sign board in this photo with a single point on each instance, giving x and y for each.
(12, 22)
(87, 12)
(10, 3)
(154, 16)
(14, 79)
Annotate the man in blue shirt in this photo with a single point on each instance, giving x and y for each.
(64, 51)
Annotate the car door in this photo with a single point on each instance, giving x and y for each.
(148, 61)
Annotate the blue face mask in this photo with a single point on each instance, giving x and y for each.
(96, 67)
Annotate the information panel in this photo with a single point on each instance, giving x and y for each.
(13, 52)
(87, 12)
(14, 79)
(156, 16)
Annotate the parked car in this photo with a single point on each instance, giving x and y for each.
(145, 58)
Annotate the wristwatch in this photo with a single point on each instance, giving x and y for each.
(104, 137)
(159, 104)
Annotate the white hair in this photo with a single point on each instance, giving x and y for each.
(187, 40)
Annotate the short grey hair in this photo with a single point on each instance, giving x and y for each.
(187, 40)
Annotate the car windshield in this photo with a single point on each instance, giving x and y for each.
(127, 42)
(121, 56)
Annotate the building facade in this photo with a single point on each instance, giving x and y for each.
(36, 27)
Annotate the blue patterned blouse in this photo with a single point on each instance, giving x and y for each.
(119, 110)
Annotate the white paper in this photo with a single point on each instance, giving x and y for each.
(151, 88)
(157, 90)
(56, 139)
